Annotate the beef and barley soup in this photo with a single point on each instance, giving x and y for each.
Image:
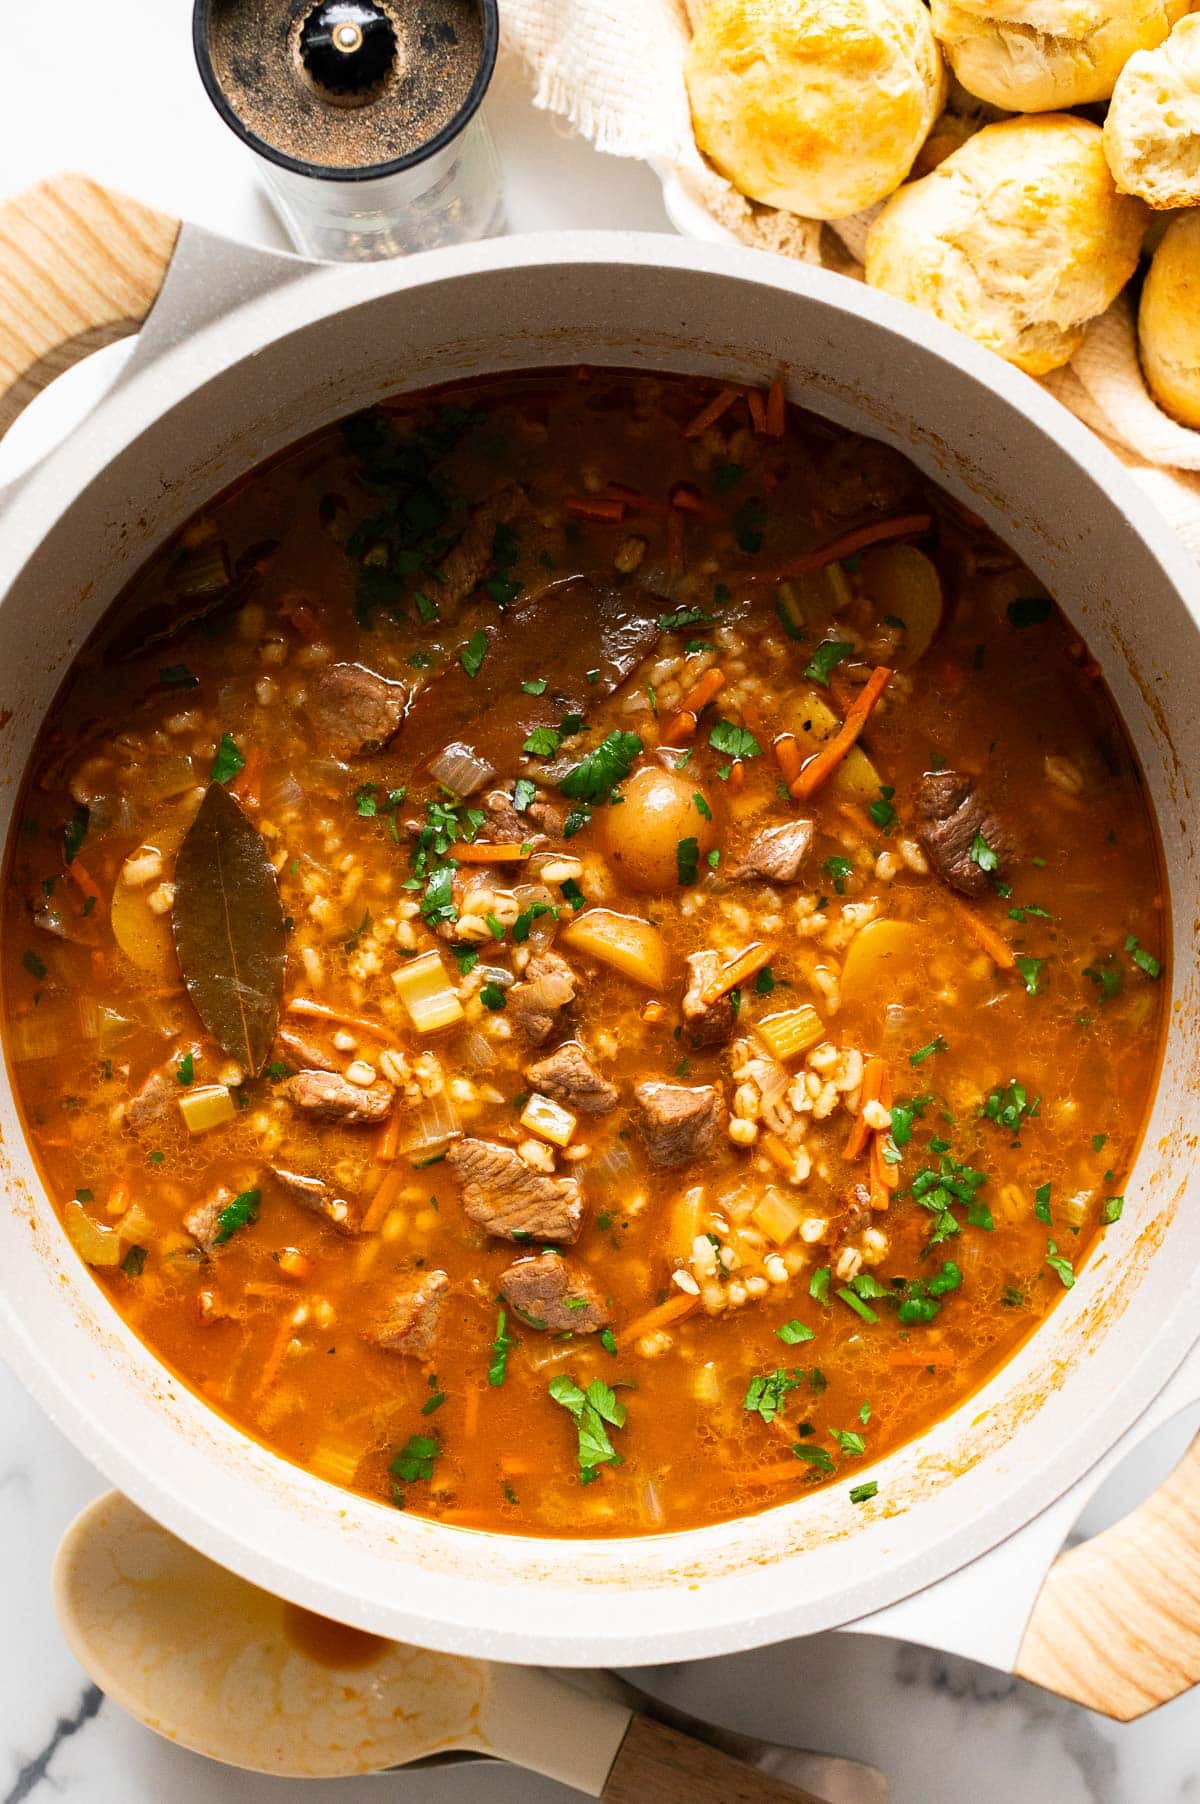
(583, 954)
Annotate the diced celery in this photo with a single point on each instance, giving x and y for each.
(541, 1115)
(792, 1031)
(427, 993)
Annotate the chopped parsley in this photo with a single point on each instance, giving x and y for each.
(764, 983)
(492, 997)
(1010, 1107)
(864, 1493)
(608, 1341)
(1108, 978)
(819, 1458)
(527, 917)
(75, 831)
(595, 1411)
(228, 761)
(734, 741)
(882, 812)
(1114, 1208)
(1030, 911)
(535, 686)
(794, 1332)
(687, 860)
(1030, 969)
(767, 1394)
(238, 1214)
(850, 1441)
(1041, 1203)
(936, 1045)
(413, 1463)
(1058, 1263)
(749, 523)
(983, 855)
(502, 1346)
(828, 655)
(595, 776)
(177, 676)
(466, 958)
(134, 1262)
(473, 652)
(524, 791)
(572, 893)
(1145, 961)
(543, 742)
(818, 1286)
(675, 623)
(701, 806)
(185, 1071)
(35, 966)
(838, 870)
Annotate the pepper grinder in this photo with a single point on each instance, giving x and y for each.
(364, 115)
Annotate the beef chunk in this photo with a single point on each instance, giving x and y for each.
(410, 1325)
(327, 1096)
(149, 1107)
(534, 825)
(951, 817)
(538, 1003)
(512, 1200)
(464, 568)
(777, 853)
(861, 477)
(706, 1024)
(678, 1120)
(569, 1075)
(202, 1221)
(318, 1198)
(547, 1293)
(299, 1050)
(353, 710)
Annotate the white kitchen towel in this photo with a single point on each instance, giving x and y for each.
(614, 70)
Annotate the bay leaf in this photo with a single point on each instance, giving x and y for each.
(229, 929)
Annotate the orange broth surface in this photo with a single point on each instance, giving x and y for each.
(801, 1277)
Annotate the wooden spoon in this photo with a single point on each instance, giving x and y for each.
(218, 1666)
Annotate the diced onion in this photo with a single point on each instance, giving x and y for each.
(207, 1106)
(171, 776)
(427, 993)
(436, 1122)
(286, 793)
(45, 1032)
(94, 1244)
(613, 1165)
(543, 1116)
(478, 1052)
(460, 770)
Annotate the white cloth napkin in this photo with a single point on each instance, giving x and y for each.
(614, 70)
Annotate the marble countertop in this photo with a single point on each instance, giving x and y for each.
(127, 107)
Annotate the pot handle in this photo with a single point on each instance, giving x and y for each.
(1116, 1625)
(80, 266)
(1113, 1623)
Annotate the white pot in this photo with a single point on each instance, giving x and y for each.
(246, 352)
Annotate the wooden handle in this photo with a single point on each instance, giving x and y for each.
(80, 266)
(658, 1763)
(1116, 1625)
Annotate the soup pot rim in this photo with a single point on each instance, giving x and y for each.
(278, 299)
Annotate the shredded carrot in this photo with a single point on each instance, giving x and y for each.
(901, 526)
(471, 1413)
(303, 621)
(672, 1311)
(737, 774)
(736, 971)
(912, 1358)
(320, 1011)
(752, 718)
(993, 943)
(595, 507)
(835, 749)
(776, 1474)
(83, 879)
(758, 412)
(269, 1370)
(687, 498)
(380, 1205)
(653, 1011)
(487, 851)
(787, 755)
(878, 1170)
(858, 818)
(694, 702)
(247, 785)
(636, 501)
(776, 410)
(515, 1466)
(871, 1091)
(675, 546)
(388, 1143)
(711, 413)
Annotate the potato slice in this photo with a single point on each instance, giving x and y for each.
(885, 963)
(144, 937)
(904, 583)
(625, 942)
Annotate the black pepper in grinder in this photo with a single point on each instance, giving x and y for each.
(365, 114)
